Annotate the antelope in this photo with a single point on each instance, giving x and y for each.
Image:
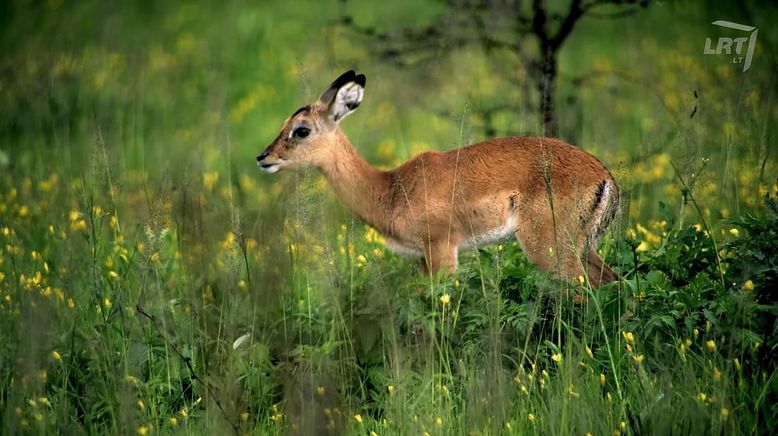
(555, 198)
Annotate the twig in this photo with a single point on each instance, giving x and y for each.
(188, 362)
(688, 190)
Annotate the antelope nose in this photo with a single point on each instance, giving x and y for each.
(262, 156)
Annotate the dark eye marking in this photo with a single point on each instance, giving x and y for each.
(301, 132)
(302, 109)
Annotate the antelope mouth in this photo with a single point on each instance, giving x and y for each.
(268, 167)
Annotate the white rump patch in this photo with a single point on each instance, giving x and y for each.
(400, 248)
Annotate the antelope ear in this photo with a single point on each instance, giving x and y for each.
(343, 96)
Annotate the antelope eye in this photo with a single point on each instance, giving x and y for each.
(301, 132)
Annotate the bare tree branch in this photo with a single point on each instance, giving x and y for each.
(482, 23)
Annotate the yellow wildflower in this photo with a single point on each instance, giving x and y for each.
(210, 179)
(56, 356)
(748, 285)
(711, 345)
(78, 225)
(557, 357)
(445, 299)
(531, 417)
(358, 418)
(734, 232)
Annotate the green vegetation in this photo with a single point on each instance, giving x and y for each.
(152, 280)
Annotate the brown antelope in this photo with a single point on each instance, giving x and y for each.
(555, 198)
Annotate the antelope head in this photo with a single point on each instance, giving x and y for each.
(308, 136)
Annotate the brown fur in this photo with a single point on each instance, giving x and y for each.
(555, 198)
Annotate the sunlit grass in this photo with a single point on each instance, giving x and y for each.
(371, 346)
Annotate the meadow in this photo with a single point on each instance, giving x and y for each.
(154, 281)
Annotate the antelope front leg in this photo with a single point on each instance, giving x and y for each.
(439, 256)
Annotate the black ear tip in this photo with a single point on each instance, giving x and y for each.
(344, 78)
(361, 80)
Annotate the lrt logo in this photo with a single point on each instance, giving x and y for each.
(725, 45)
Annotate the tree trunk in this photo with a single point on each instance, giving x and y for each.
(546, 83)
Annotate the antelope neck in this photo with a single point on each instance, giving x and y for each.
(357, 183)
